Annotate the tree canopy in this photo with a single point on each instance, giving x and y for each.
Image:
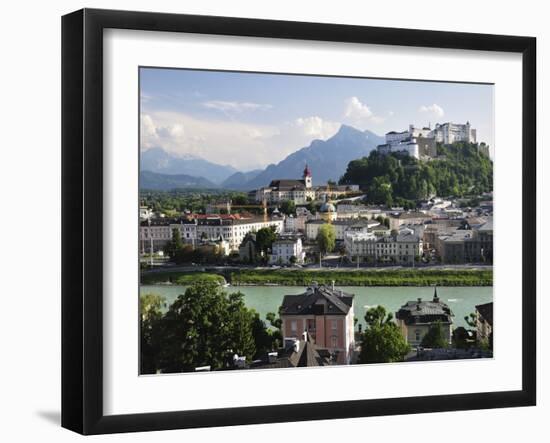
(435, 337)
(205, 326)
(326, 238)
(172, 248)
(265, 238)
(288, 207)
(460, 169)
(150, 310)
(382, 340)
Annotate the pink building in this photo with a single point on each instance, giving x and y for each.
(326, 315)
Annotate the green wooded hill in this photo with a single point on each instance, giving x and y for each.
(397, 179)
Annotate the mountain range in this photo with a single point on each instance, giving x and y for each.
(327, 159)
(159, 161)
(165, 182)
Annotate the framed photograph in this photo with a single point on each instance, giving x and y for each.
(269, 221)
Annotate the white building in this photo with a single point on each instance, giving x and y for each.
(360, 245)
(284, 249)
(295, 223)
(421, 142)
(420, 132)
(301, 191)
(340, 227)
(448, 133)
(155, 233)
(298, 191)
(234, 229)
(402, 248)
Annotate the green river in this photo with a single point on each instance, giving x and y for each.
(264, 299)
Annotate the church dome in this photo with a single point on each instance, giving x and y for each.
(327, 207)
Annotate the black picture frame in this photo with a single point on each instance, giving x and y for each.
(82, 190)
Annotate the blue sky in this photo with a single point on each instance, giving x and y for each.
(249, 120)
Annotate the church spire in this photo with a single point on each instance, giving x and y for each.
(436, 298)
(307, 171)
(308, 181)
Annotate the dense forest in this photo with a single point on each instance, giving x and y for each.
(176, 201)
(397, 179)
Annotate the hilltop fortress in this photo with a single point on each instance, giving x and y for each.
(420, 143)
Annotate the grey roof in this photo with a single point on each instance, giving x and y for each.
(345, 222)
(319, 300)
(287, 185)
(486, 311)
(487, 226)
(407, 237)
(309, 354)
(167, 221)
(403, 215)
(419, 311)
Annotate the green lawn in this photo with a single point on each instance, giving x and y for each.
(399, 277)
(179, 278)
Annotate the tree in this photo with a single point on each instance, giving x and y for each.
(265, 238)
(326, 238)
(205, 326)
(150, 310)
(239, 199)
(174, 245)
(461, 338)
(377, 316)
(435, 337)
(311, 206)
(461, 169)
(276, 333)
(293, 259)
(382, 340)
(471, 320)
(275, 321)
(288, 207)
(380, 191)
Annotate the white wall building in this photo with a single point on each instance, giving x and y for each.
(295, 223)
(420, 132)
(340, 227)
(401, 248)
(234, 230)
(155, 233)
(448, 133)
(284, 249)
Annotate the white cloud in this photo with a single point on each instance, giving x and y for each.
(242, 145)
(358, 114)
(434, 109)
(316, 127)
(232, 106)
(356, 109)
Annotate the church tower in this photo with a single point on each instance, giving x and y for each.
(307, 177)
